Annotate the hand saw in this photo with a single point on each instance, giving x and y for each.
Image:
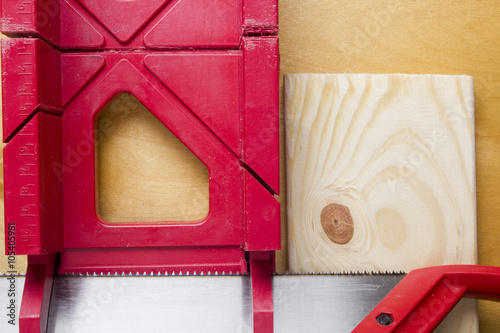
(417, 302)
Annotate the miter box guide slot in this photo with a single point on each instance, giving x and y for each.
(207, 72)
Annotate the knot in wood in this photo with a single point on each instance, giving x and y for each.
(337, 223)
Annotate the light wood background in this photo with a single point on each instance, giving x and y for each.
(424, 36)
(417, 36)
(145, 174)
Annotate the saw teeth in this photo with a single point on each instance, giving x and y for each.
(348, 273)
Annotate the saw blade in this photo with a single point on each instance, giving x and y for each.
(302, 303)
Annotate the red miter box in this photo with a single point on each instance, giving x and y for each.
(207, 71)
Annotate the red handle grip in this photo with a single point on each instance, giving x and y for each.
(425, 296)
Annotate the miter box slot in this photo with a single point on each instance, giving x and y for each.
(31, 77)
(33, 192)
(132, 25)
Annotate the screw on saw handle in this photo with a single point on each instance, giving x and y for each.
(425, 296)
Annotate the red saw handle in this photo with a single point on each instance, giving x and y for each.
(425, 296)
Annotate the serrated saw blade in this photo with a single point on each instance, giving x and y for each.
(302, 303)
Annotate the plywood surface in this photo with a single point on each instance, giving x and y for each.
(145, 174)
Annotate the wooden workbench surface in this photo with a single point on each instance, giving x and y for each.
(395, 36)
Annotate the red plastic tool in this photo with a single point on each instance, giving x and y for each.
(152, 24)
(208, 71)
(425, 296)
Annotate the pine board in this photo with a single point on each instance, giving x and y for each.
(380, 172)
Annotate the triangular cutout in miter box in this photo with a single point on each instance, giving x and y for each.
(145, 173)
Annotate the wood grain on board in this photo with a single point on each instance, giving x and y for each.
(381, 175)
(380, 172)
